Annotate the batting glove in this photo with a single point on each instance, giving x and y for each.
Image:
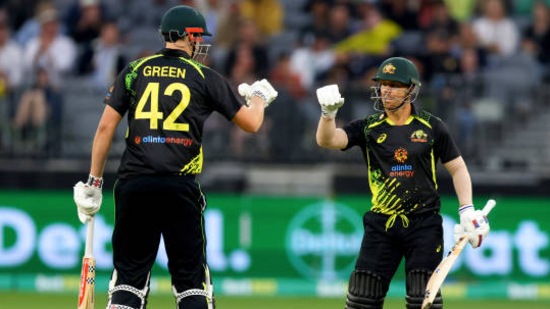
(88, 197)
(330, 100)
(473, 223)
(262, 89)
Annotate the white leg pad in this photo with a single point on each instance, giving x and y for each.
(141, 294)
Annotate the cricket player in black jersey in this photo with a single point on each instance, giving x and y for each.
(401, 145)
(167, 97)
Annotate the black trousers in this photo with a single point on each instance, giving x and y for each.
(417, 238)
(149, 207)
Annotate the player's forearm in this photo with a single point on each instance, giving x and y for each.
(328, 135)
(461, 180)
(100, 149)
(250, 118)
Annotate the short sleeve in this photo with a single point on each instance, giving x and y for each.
(356, 134)
(445, 147)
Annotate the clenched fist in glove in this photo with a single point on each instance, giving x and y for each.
(473, 223)
(330, 100)
(87, 197)
(262, 89)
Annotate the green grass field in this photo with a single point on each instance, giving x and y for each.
(20, 300)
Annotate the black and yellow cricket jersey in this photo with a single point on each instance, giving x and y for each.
(401, 160)
(168, 97)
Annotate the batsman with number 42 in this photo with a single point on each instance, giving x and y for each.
(402, 145)
(166, 98)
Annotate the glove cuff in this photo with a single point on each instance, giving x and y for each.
(465, 208)
(260, 95)
(94, 181)
(328, 114)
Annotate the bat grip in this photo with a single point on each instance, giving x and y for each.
(89, 237)
(488, 207)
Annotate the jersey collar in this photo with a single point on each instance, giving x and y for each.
(414, 112)
(174, 53)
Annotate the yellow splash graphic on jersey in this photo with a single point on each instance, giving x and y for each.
(195, 166)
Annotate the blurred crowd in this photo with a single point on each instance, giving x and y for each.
(480, 61)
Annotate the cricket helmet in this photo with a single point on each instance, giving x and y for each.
(181, 21)
(398, 69)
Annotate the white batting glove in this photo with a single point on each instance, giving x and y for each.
(88, 197)
(244, 90)
(262, 89)
(330, 100)
(473, 223)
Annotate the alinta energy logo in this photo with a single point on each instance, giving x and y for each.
(401, 170)
(323, 241)
(150, 139)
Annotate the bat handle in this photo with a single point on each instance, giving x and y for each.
(90, 237)
(488, 207)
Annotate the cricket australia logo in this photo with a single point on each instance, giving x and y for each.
(323, 240)
(419, 136)
(388, 69)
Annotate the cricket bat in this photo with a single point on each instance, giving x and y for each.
(440, 273)
(87, 274)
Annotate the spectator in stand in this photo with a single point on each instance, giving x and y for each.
(313, 61)
(11, 77)
(471, 86)
(467, 39)
(226, 36)
(536, 37)
(370, 45)
(319, 12)
(84, 21)
(107, 58)
(31, 27)
(403, 12)
(495, 31)
(51, 49)
(56, 54)
(440, 19)
(33, 116)
(438, 59)
(247, 61)
(249, 43)
(340, 23)
(462, 10)
(286, 76)
(268, 15)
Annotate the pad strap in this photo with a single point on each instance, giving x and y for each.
(127, 288)
(119, 307)
(191, 292)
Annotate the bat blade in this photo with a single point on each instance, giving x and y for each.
(87, 284)
(87, 273)
(440, 273)
(442, 270)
